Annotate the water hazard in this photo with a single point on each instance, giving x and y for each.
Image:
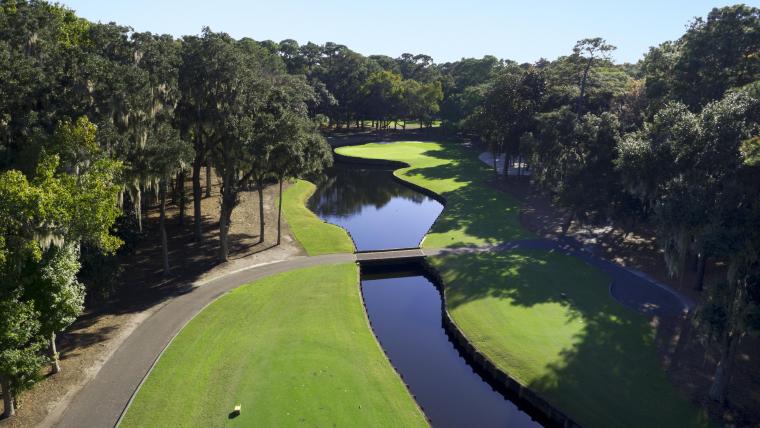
(405, 310)
(379, 212)
(404, 306)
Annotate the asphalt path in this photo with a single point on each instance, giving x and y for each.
(102, 401)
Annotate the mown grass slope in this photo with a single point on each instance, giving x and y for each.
(316, 236)
(583, 352)
(294, 349)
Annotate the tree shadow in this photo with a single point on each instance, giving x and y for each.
(473, 207)
(72, 341)
(610, 375)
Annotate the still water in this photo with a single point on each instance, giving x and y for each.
(379, 212)
(405, 310)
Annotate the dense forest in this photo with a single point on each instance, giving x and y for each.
(95, 119)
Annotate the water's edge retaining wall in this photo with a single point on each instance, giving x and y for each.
(523, 396)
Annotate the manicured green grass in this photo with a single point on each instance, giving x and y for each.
(316, 236)
(475, 214)
(293, 349)
(586, 354)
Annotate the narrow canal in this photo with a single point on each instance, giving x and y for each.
(403, 304)
(379, 212)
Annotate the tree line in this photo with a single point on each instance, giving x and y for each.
(672, 142)
(94, 120)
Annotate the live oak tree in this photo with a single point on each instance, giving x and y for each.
(508, 110)
(57, 294)
(715, 55)
(166, 155)
(383, 96)
(20, 343)
(301, 151)
(238, 91)
(42, 223)
(702, 187)
(196, 80)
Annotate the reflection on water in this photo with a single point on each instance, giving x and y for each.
(378, 211)
(405, 311)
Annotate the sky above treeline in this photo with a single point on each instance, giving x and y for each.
(523, 31)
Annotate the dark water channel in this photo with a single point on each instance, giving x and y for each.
(405, 310)
(403, 305)
(379, 212)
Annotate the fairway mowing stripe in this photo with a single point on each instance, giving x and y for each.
(158, 357)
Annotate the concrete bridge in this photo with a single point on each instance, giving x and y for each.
(391, 256)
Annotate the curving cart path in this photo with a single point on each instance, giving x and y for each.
(101, 402)
(630, 288)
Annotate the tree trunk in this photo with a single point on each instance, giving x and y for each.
(10, 408)
(683, 267)
(568, 223)
(723, 371)
(224, 227)
(208, 181)
(260, 185)
(701, 267)
(279, 215)
(507, 164)
(138, 208)
(182, 196)
(519, 166)
(197, 220)
(55, 367)
(583, 86)
(162, 227)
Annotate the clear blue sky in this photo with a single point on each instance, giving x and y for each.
(446, 30)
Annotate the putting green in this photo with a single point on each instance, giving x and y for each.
(292, 349)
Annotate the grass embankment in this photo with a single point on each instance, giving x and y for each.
(475, 214)
(316, 236)
(586, 354)
(293, 349)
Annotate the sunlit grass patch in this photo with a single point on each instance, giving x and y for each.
(316, 236)
(549, 322)
(292, 349)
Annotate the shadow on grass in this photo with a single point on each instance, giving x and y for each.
(574, 345)
(473, 207)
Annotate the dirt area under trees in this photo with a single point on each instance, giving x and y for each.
(686, 354)
(142, 289)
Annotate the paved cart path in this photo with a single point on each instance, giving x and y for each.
(101, 402)
(629, 287)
